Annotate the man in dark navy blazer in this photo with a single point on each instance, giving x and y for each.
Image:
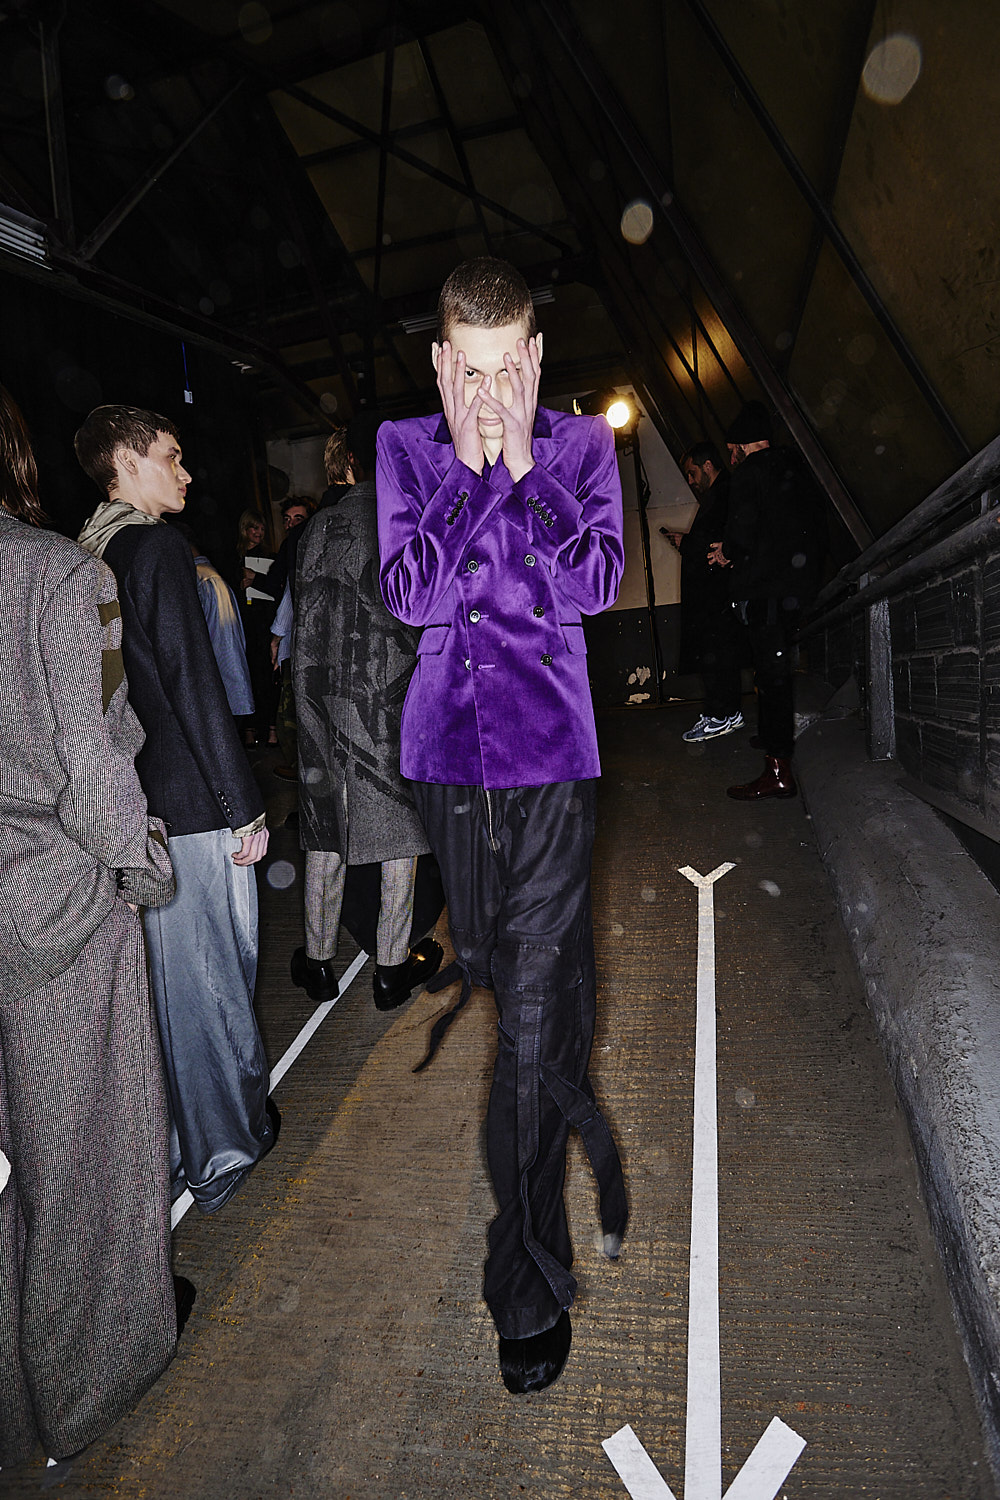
(194, 772)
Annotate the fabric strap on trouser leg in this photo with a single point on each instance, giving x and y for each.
(441, 981)
(529, 1042)
(581, 1110)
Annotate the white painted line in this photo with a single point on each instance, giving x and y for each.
(769, 1465)
(636, 1469)
(703, 1437)
(281, 1067)
(316, 1020)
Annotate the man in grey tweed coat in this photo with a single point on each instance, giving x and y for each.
(87, 1313)
(351, 665)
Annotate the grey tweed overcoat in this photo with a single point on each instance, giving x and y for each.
(87, 1317)
(352, 663)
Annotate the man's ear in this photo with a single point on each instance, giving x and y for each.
(538, 346)
(435, 355)
(126, 458)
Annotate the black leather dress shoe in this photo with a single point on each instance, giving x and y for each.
(184, 1295)
(315, 977)
(532, 1364)
(393, 984)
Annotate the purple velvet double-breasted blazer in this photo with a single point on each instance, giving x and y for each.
(498, 574)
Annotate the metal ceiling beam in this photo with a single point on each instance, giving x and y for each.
(414, 132)
(643, 307)
(578, 53)
(840, 134)
(834, 233)
(388, 71)
(150, 178)
(274, 159)
(55, 122)
(445, 178)
(457, 144)
(634, 308)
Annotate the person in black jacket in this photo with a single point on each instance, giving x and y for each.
(203, 945)
(774, 544)
(710, 628)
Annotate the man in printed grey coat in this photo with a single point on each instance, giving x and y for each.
(87, 1313)
(352, 664)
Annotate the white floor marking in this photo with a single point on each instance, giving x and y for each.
(769, 1465)
(281, 1067)
(703, 1440)
(772, 1459)
(636, 1469)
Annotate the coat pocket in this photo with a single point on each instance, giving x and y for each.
(576, 641)
(432, 640)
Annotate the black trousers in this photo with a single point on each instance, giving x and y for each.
(516, 872)
(771, 630)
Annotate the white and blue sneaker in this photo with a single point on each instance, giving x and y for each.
(710, 729)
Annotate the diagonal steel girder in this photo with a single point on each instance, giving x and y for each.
(834, 233)
(150, 178)
(563, 28)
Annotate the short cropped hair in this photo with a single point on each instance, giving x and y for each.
(18, 472)
(304, 500)
(109, 428)
(485, 293)
(335, 458)
(703, 453)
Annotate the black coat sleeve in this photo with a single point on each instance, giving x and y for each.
(163, 591)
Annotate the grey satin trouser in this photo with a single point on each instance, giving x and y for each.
(203, 968)
(87, 1319)
(516, 871)
(326, 874)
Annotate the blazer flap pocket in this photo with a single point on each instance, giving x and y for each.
(432, 640)
(576, 641)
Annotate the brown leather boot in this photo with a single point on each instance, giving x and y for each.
(776, 780)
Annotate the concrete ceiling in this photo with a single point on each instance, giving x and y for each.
(711, 199)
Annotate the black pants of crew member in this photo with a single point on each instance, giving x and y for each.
(516, 872)
(721, 656)
(771, 630)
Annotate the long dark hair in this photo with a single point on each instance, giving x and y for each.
(18, 471)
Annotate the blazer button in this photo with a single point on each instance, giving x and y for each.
(468, 664)
(475, 616)
(529, 561)
(538, 611)
(449, 520)
(463, 495)
(546, 660)
(472, 565)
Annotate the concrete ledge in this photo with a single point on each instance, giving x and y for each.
(924, 923)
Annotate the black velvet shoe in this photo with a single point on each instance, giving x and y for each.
(315, 977)
(393, 984)
(184, 1295)
(532, 1364)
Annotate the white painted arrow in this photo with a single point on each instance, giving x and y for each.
(772, 1459)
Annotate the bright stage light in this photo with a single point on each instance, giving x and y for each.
(619, 413)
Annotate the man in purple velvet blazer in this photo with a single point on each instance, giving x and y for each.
(499, 525)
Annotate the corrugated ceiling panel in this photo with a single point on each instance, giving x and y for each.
(307, 129)
(919, 198)
(735, 189)
(470, 76)
(870, 416)
(802, 59)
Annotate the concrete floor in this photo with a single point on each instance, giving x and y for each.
(339, 1347)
